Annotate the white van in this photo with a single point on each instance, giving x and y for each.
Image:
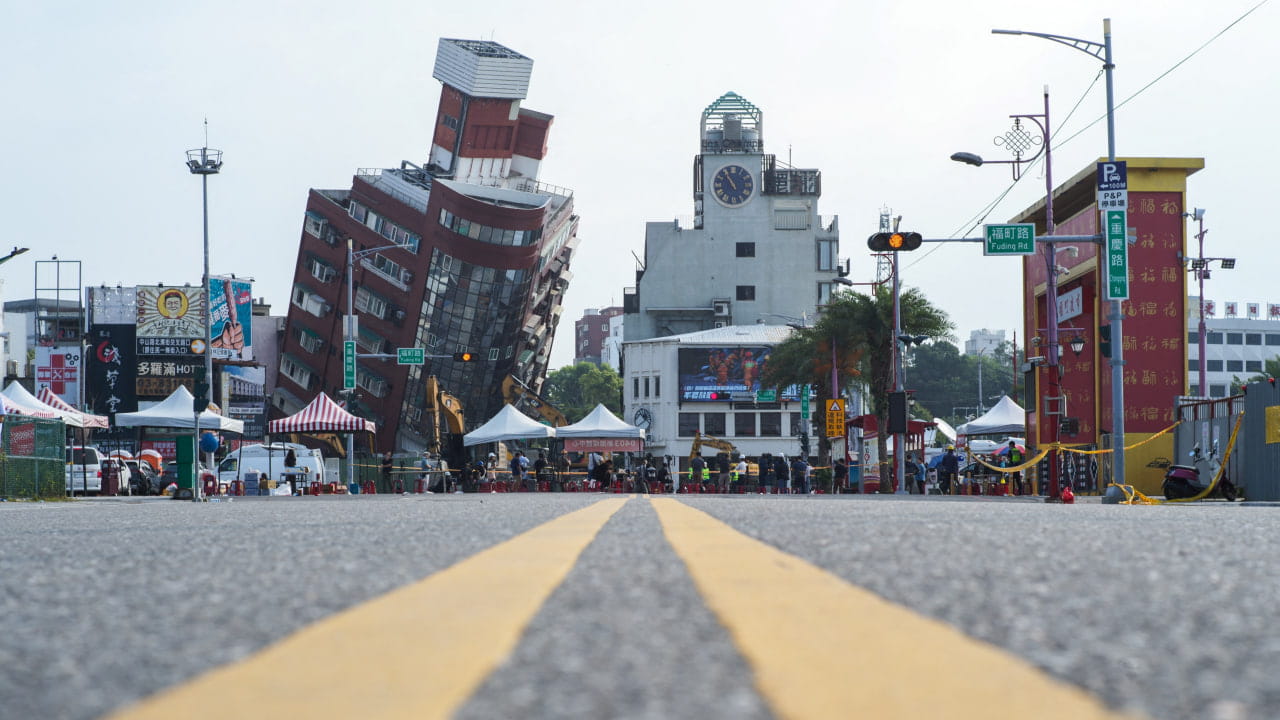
(269, 461)
(84, 470)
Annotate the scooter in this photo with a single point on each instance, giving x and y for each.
(1184, 481)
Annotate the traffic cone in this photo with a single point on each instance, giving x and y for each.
(1068, 497)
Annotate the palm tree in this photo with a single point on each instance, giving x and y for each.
(861, 326)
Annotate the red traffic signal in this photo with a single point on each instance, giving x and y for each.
(464, 357)
(894, 242)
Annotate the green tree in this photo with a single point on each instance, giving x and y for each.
(577, 389)
(861, 328)
(1270, 369)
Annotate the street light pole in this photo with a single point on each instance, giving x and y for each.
(1200, 273)
(203, 162)
(1019, 141)
(349, 336)
(1103, 52)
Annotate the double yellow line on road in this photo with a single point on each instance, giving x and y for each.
(819, 646)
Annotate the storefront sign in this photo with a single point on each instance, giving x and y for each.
(603, 444)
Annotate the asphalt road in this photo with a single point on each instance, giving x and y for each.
(1168, 611)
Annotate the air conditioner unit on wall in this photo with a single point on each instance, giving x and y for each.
(720, 308)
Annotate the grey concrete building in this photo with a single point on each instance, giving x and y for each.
(757, 251)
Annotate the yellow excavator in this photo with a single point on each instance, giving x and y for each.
(441, 405)
(699, 440)
(522, 396)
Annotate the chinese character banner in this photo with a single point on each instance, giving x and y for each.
(112, 365)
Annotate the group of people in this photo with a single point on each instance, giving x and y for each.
(949, 480)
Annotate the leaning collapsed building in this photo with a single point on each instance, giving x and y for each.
(466, 252)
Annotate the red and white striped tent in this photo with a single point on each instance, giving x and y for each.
(90, 420)
(321, 415)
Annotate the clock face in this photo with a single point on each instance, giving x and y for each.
(643, 418)
(733, 185)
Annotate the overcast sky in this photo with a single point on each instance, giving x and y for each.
(103, 99)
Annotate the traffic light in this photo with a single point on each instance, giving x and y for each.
(200, 402)
(893, 242)
(1104, 340)
(464, 357)
(804, 444)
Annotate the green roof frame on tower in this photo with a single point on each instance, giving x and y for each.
(731, 104)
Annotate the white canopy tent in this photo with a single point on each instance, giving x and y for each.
(175, 412)
(508, 424)
(1005, 418)
(15, 399)
(600, 423)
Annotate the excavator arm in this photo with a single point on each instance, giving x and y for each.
(699, 440)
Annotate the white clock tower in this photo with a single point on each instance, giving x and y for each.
(758, 251)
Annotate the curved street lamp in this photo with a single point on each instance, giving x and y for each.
(1020, 142)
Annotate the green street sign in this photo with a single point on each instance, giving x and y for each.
(411, 356)
(1115, 224)
(1009, 239)
(349, 365)
(766, 396)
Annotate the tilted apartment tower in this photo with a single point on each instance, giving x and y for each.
(482, 265)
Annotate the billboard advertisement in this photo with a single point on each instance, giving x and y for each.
(244, 398)
(231, 318)
(721, 374)
(112, 365)
(58, 368)
(170, 320)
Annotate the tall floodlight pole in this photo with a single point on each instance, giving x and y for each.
(203, 162)
(1103, 52)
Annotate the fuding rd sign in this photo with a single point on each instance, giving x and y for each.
(1009, 239)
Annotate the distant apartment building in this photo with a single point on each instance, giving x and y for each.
(1237, 344)
(591, 332)
(984, 342)
(466, 251)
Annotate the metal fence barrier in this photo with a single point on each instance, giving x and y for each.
(33, 464)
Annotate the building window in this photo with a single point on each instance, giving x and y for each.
(375, 385)
(1254, 366)
(450, 122)
(824, 293)
(310, 341)
(797, 424)
(827, 255)
(369, 302)
(1235, 338)
(746, 249)
(1213, 338)
(646, 387)
(744, 424)
(688, 424)
(657, 387)
(1195, 390)
(1217, 390)
(1273, 339)
(296, 371)
(635, 387)
(791, 219)
(1213, 366)
(1235, 366)
(771, 424)
(1193, 364)
(1253, 339)
(1193, 337)
(746, 292)
(314, 224)
(713, 423)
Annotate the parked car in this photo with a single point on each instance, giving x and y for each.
(84, 470)
(144, 479)
(170, 475)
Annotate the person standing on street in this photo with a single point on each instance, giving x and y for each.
(783, 476)
(839, 475)
(800, 475)
(722, 481)
(517, 471)
(387, 464)
(948, 466)
(696, 466)
(741, 472)
(1014, 458)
